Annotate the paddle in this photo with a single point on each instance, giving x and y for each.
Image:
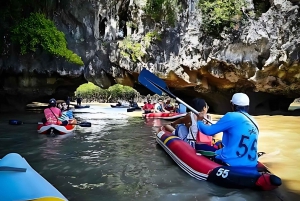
(14, 169)
(158, 86)
(17, 122)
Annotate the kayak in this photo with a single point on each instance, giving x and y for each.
(81, 106)
(55, 129)
(203, 168)
(163, 115)
(133, 109)
(19, 181)
(119, 106)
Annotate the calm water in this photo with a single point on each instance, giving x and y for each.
(117, 159)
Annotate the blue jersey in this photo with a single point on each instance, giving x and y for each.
(240, 136)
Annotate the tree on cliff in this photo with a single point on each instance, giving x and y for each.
(38, 31)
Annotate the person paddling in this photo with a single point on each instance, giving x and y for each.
(240, 134)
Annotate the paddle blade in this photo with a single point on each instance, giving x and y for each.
(15, 122)
(147, 79)
(85, 124)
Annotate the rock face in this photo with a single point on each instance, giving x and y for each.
(261, 57)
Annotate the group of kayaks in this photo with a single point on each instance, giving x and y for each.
(129, 108)
(19, 181)
(32, 186)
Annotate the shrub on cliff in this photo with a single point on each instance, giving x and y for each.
(38, 31)
(131, 49)
(218, 14)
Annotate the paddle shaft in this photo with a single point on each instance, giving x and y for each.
(178, 99)
(17, 122)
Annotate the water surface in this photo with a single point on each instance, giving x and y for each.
(117, 159)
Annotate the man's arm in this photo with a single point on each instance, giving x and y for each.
(223, 124)
(180, 120)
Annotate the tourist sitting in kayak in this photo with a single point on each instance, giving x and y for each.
(52, 114)
(148, 107)
(180, 108)
(240, 134)
(67, 115)
(118, 103)
(186, 127)
(160, 106)
(133, 104)
(168, 105)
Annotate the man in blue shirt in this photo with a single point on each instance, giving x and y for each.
(240, 134)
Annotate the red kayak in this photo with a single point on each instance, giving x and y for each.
(55, 129)
(203, 168)
(163, 115)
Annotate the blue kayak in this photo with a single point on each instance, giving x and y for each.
(19, 181)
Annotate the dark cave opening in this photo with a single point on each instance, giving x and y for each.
(123, 16)
(261, 6)
(102, 25)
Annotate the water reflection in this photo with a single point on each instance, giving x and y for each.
(118, 159)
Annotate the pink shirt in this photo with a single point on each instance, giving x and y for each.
(51, 119)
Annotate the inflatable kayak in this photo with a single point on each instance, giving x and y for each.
(54, 129)
(81, 106)
(163, 115)
(19, 181)
(203, 168)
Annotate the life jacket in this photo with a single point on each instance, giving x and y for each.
(195, 136)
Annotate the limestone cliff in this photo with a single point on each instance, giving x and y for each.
(116, 39)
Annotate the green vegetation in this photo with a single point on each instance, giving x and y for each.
(151, 36)
(134, 50)
(131, 49)
(37, 31)
(114, 93)
(163, 10)
(218, 14)
(22, 24)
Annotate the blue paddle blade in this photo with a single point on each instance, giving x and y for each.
(147, 79)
